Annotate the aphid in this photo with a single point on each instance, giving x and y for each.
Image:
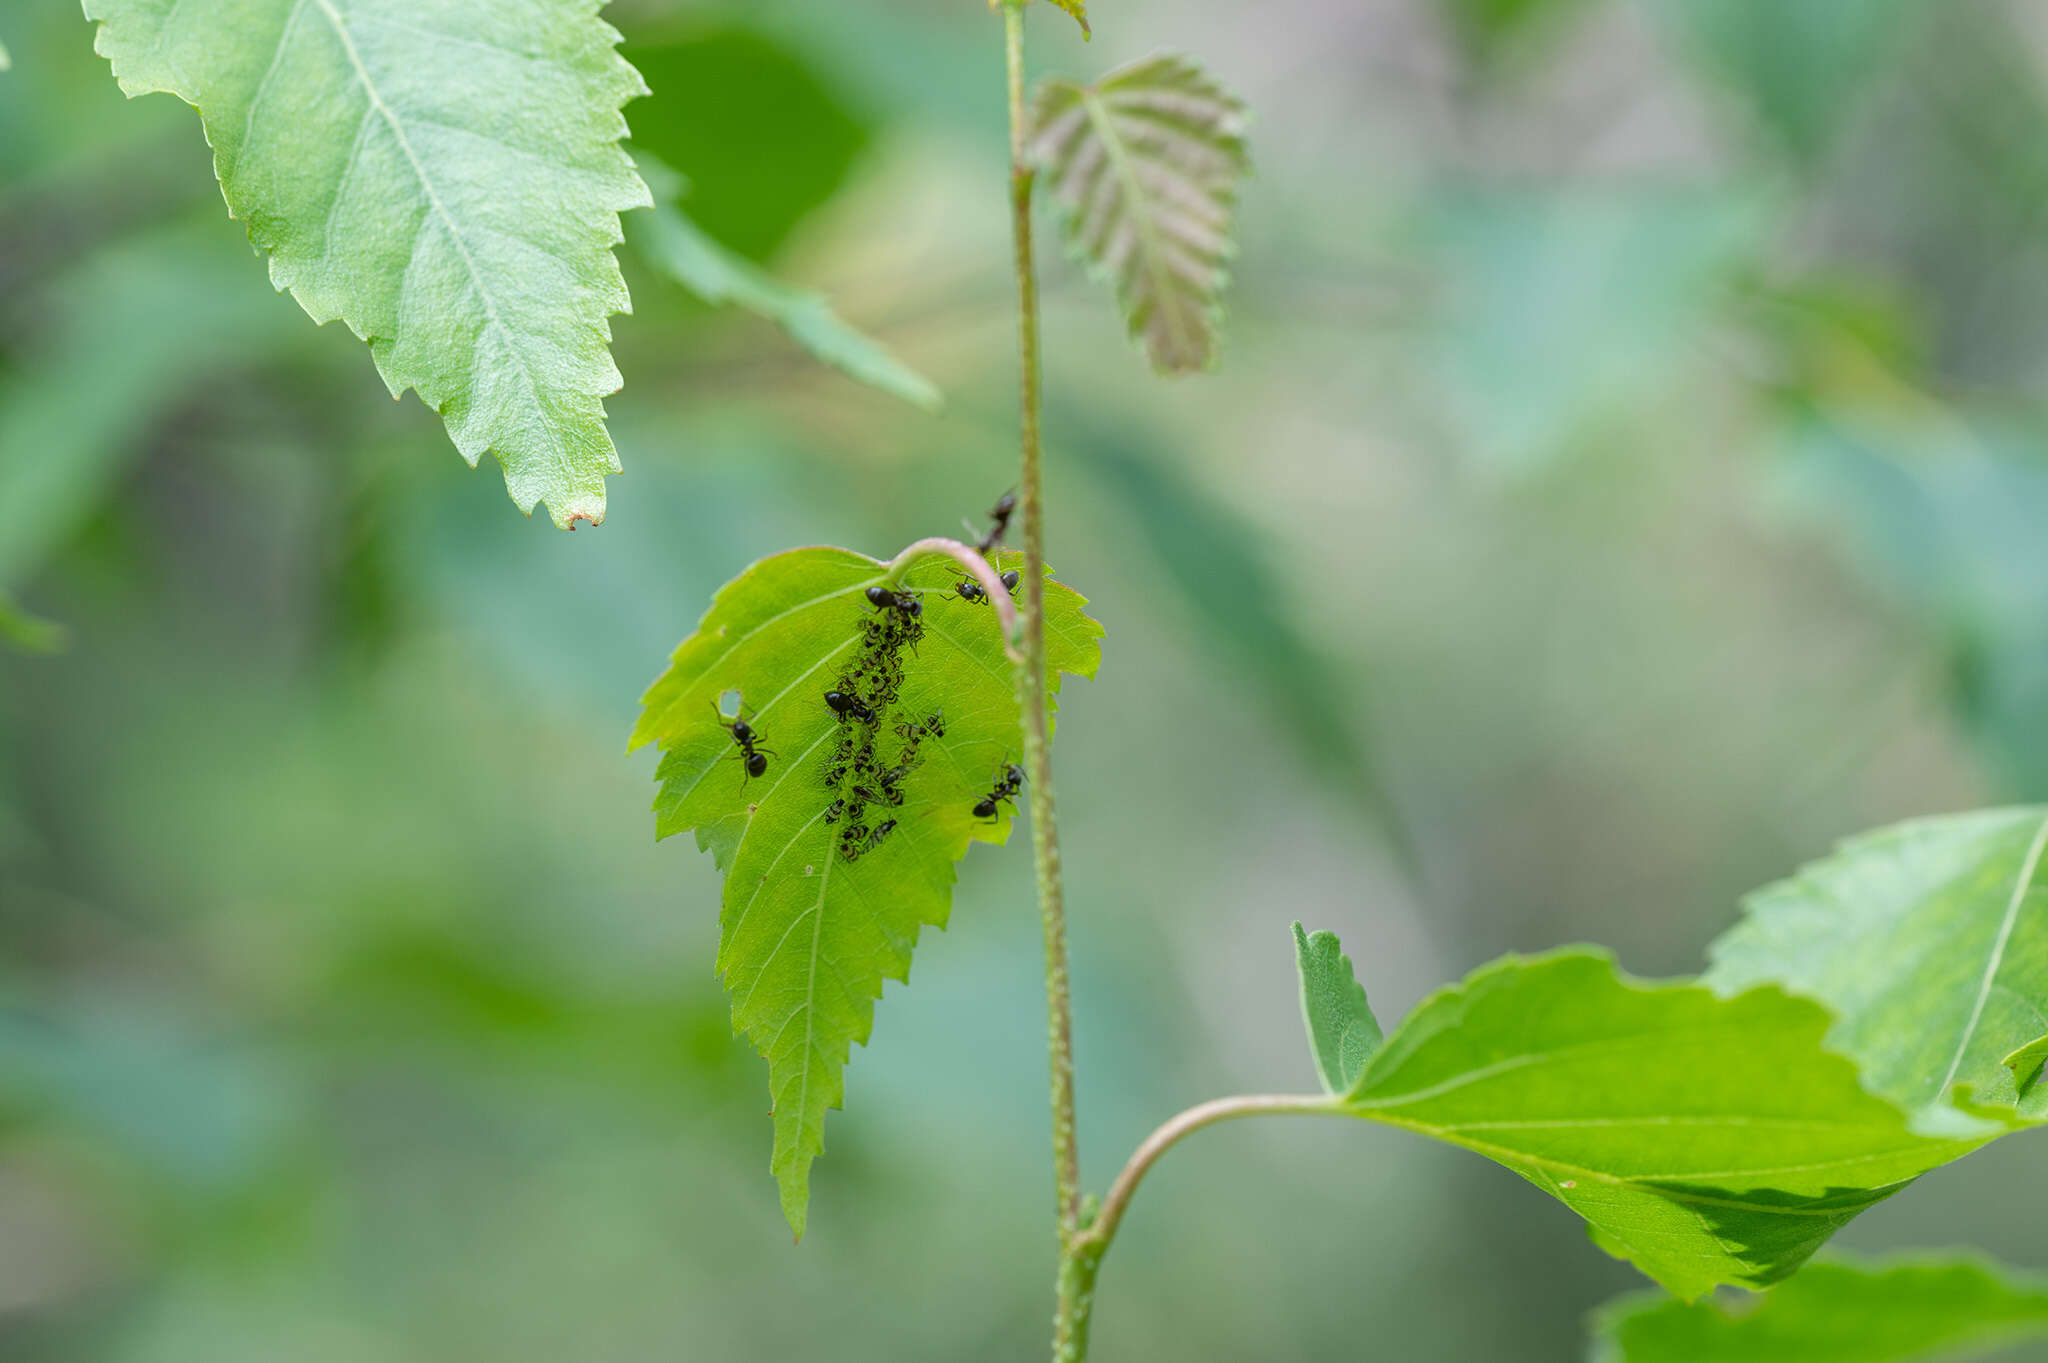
(999, 521)
(844, 704)
(834, 810)
(935, 724)
(882, 830)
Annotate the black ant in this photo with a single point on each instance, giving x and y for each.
(971, 590)
(999, 521)
(755, 760)
(906, 603)
(1009, 781)
(844, 705)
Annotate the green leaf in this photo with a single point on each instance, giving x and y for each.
(1910, 1311)
(807, 934)
(1079, 9)
(1146, 163)
(444, 177)
(719, 276)
(1342, 1032)
(28, 633)
(1929, 941)
(1709, 1140)
(758, 127)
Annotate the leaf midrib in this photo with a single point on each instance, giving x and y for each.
(1654, 1184)
(1112, 141)
(2029, 867)
(439, 209)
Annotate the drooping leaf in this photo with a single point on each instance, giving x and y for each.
(1905, 1311)
(822, 902)
(444, 177)
(1928, 940)
(1240, 603)
(1342, 1032)
(1077, 8)
(1146, 164)
(1708, 1140)
(718, 276)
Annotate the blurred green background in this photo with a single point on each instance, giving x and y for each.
(1626, 476)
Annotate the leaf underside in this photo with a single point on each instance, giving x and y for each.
(813, 917)
(444, 177)
(1342, 1032)
(1709, 1140)
(1929, 941)
(1146, 163)
(1910, 1311)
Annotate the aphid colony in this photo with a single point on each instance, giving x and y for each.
(866, 692)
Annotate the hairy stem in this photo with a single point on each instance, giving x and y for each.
(1095, 1240)
(1070, 1320)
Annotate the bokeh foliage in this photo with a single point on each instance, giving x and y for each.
(1640, 452)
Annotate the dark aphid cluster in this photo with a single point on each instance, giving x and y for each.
(998, 522)
(1009, 781)
(752, 758)
(970, 590)
(865, 693)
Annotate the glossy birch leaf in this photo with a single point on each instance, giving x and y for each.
(691, 257)
(1913, 1311)
(807, 934)
(1708, 1140)
(1342, 1032)
(1929, 941)
(1146, 164)
(444, 177)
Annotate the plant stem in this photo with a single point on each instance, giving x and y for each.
(1070, 1319)
(1095, 1241)
(976, 567)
